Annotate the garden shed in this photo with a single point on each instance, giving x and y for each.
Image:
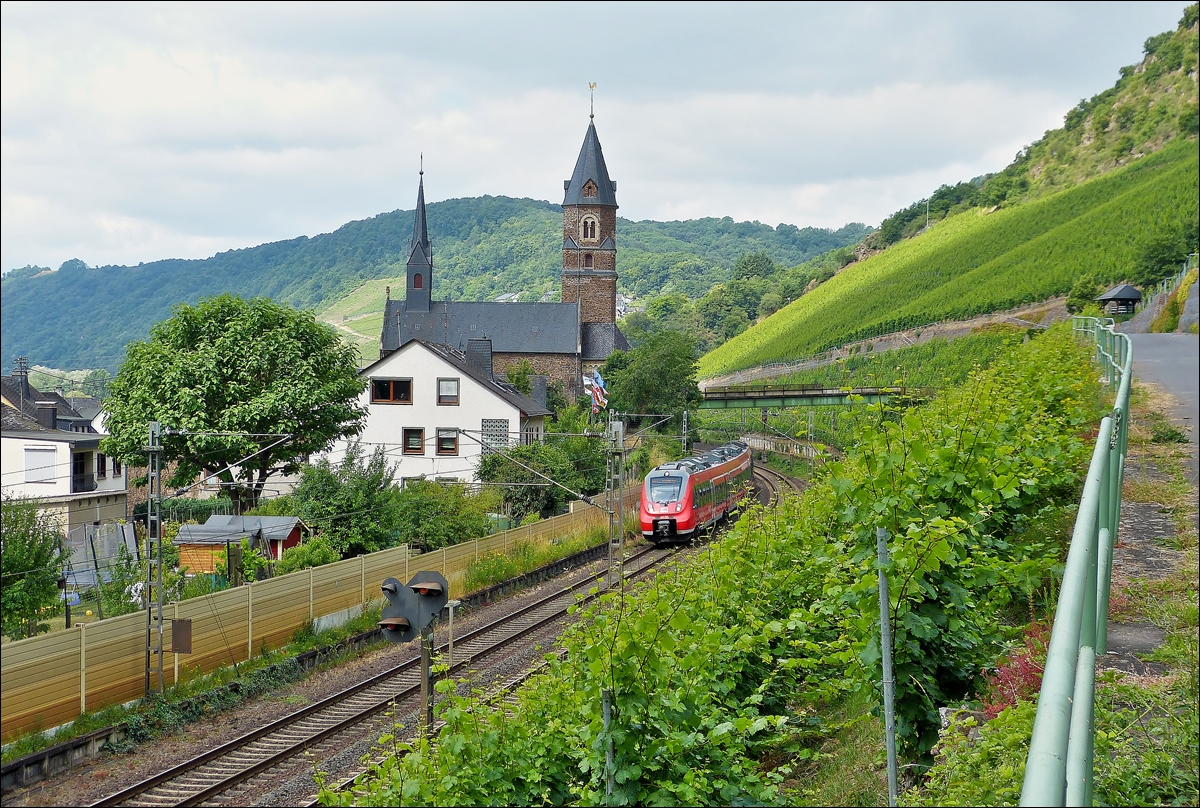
(1121, 299)
(201, 545)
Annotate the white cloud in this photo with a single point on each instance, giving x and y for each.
(130, 132)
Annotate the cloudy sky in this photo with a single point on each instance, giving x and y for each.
(136, 132)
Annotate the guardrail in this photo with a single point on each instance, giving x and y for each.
(1059, 768)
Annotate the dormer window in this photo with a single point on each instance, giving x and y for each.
(417, 281)
(589, 190)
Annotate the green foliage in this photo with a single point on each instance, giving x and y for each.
(351, 503)
(519, 374)
(657, 377)
(972, 263)
(1083, 293)
(312, 552)
(1167, 320)
(486, 246)
(1146, 751)
(432, 515)
(256, 369)
(116, 595)
(585, 454)
(31, 562)
(524, 491)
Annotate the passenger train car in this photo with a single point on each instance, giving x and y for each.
(681, 498)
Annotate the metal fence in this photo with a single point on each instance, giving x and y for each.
(1058, 770)
(50, 679)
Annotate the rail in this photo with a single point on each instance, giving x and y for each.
(1059, 768)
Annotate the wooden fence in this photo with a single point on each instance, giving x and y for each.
(50, 679)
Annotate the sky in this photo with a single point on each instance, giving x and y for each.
(130, 133)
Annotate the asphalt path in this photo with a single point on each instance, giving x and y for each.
(1172, 361)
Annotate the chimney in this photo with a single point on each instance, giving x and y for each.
(479, 356)
(538, 393)
(47, 414)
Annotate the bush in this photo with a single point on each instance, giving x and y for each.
(311, 553)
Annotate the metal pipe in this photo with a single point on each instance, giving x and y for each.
(1080, 752)
(889, 681)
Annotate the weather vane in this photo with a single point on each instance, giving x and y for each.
(592, 104)
(422, 172)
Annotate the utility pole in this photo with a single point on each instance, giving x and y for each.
(685, 432)
(154, 619)
(616, 511)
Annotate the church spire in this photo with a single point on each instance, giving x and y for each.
(420, 256)
(589, 183)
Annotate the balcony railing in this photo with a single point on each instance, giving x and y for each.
(82, 483)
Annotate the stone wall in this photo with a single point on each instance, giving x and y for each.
(606, 223)
(558, 368)
(596, 293)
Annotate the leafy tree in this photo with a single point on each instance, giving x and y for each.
(520, 376)
(1161, 256)
(433, 515)
(237, 375)
(311, 553)
(585, 454)
(771, 302)
(754, 265)
(1083, 294)
(523, 491)
(351, 503)
(31, 562)
(660, 376)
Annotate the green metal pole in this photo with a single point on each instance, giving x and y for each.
(1083, 737)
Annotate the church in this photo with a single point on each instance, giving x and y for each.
(562, 341)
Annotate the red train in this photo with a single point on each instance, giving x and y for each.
(681, 498)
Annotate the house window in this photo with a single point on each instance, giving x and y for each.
(391, 391)
(39, 465)
(447, 390)
(587, 261)
(447, 441)
(587, 229)
(116, 467)
(417, 281)
(414, 441)
(494, 433)
(101, 465)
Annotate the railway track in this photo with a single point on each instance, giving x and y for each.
(776, 482)
(207, 776)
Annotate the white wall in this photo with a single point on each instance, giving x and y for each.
(13, 471)
(385, 422)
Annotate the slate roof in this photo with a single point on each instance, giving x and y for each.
(1122, 292)
(12, 419)
(506, 391)
(10, 387)
(601, 339)
(419, 249)
(590, 166)
(220, 529)
(512, 327)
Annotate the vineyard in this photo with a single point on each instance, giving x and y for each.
(982, 261)
(729, 694)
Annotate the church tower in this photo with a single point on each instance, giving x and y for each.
(420, 259)
(589, 275)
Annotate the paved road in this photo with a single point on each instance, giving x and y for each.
(1172, 361)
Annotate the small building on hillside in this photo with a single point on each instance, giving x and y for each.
(1121, 299)
(201, 545)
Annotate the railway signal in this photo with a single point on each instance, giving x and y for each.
(409, 613)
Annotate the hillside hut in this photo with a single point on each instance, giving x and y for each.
(201, 545)
(1121, 299)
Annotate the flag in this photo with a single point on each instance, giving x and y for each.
(599, 391)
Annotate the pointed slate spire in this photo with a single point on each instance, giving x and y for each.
(590, 166)
(419, 291)
(420, 235)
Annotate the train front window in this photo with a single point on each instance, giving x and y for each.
(662, 490)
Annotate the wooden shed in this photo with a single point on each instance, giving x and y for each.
(200, 546)
(1121, 299)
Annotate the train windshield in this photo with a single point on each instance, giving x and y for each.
(663, 489)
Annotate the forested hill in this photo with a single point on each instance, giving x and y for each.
(483, 247)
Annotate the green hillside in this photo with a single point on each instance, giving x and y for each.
(1112, 194)
(981, 261)
(483, 247)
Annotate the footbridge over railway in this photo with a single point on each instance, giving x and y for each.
(763, 396)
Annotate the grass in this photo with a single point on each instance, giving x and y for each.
(840, 774)
(493, 568)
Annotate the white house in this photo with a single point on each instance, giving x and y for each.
(64, 470)
(434, 409)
